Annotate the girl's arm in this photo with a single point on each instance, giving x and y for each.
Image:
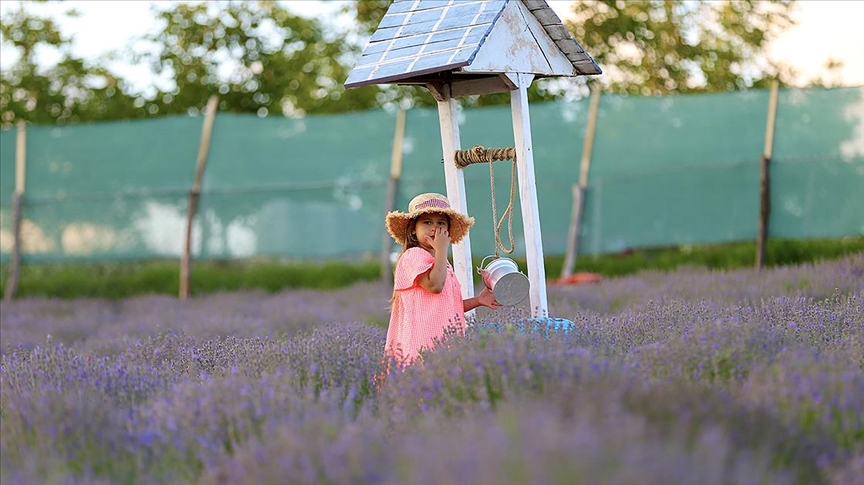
(485, 298)
(433, 280)
(470, 304)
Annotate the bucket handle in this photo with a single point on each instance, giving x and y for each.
(483, 263)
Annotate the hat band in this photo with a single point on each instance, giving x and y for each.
(437, 203)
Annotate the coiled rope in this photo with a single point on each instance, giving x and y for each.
(479, 154)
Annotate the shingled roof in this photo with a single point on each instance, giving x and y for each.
(417, 38)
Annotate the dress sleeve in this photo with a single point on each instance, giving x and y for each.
(412, 264)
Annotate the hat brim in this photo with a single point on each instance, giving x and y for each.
(397, 223)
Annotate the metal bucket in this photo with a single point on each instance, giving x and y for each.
(502, 276)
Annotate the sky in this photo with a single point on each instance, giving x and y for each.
(825, 29)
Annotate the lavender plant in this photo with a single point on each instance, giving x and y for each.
(692, 376)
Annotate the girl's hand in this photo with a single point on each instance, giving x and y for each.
(487, 299)
(441, 241)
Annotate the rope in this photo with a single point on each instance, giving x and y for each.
(478, 154)
(508, 213)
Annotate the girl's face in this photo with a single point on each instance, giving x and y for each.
(426, 225)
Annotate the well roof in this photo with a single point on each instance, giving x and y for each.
(421, 37)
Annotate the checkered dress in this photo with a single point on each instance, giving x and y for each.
(419, 317)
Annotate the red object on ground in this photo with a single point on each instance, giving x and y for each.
(578, 279)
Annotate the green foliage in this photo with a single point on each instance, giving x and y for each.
(368, 13)
(121, 280)
(282, 63)
(72, 90)
(661, 47)
(260, 58)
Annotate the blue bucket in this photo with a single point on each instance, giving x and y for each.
(545, 326)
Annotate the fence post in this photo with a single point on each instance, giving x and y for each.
(203, 148)
(392, 190)
(17, 202)
(765, 178)
(579, 189)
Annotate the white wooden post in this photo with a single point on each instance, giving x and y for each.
(528, 195)
(455, 183)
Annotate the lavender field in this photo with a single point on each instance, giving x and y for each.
(688, 377)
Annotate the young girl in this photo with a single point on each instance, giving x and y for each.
(427, 298)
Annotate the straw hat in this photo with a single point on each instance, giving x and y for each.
(398, 222)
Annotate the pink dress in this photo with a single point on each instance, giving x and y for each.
(419, 317)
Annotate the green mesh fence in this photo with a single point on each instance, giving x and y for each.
(664, 171)
(675, 170)
(309, 188)
(818, 168)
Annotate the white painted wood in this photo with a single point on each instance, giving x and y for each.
(518, 43)
(510, 79)
(489, 85)
(528, 196)
(437, 91)
(455, 183)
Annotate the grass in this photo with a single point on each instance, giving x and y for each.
(779, 252)
(124, 279)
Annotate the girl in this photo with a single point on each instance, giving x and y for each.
(427, 298)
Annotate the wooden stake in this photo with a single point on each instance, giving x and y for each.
(17, 202)
(20, 156)
(203, 149)
(528, 196)
(392, 190)
(579, 189)
(765, 179)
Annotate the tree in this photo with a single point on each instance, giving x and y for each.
(276, 62)
(71, 90)
(260, 58)
(831, 75)
(671, 46)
